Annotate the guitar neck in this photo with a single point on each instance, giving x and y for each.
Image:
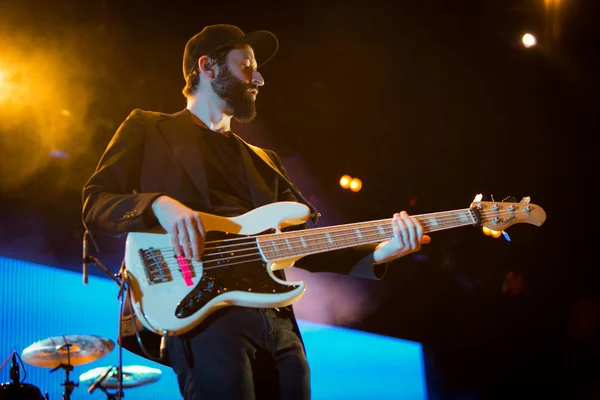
(319, 240)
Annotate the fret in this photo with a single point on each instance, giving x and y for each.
(382, 232)
(440, 222)
(322, 242)
(338, 241)
(293, 245)
(283, 250)
(303, 241)
(340, 238)
(473, 219)
(275, 249)
(329, 238)
(465, 217)
(366, 234)
(455, 218)
(432, 222)
(358, 234)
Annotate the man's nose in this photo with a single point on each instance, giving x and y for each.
(257, 79)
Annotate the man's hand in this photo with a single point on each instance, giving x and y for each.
(408, 237)
(183, 225)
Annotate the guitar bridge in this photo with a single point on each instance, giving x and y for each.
(156, 268)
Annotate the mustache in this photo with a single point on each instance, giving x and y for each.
(252, 87)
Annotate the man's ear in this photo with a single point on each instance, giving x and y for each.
(206, 66)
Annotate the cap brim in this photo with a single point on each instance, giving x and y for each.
(264, 44)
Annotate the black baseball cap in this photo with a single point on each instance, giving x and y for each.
(216, 37)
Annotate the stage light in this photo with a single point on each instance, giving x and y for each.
(345, 181)
(6, 86)
(45, 95)
(529, 40)
(355, 184)
(489, 232)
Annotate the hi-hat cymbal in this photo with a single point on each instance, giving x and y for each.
(133, 376)
(67, 349)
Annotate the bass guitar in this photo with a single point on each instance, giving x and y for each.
(171, 295)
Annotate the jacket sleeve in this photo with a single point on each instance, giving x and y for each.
(111, 202)
(357, 261)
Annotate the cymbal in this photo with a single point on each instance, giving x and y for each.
(133, 376)
(67, 349)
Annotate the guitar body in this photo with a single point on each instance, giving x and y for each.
(170, 296)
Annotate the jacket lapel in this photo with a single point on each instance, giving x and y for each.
(180, 131)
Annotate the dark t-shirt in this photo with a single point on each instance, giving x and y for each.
(225, 173)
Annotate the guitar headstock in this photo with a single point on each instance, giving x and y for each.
(499, 215)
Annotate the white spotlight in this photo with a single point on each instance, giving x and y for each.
(529, 40)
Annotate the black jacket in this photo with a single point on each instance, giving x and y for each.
(154, 154)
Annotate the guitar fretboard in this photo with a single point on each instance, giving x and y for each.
(318, 240)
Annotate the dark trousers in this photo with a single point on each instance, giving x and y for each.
(241, 354)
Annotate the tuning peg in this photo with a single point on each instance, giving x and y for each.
(526, 200)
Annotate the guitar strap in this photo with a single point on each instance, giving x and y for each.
(314, 213)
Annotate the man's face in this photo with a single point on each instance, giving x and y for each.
(237, 82)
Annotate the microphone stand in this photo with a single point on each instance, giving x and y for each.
(119, 279)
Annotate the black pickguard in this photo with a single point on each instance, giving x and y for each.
(228, 268)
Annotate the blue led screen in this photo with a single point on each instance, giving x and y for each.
(38, 302)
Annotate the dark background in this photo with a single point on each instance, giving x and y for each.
(429, 101)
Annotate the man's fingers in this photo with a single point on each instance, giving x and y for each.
(400, 230)
(184, 239)
(196, 238)
(412, 230)
(201, 234)
(175, 240)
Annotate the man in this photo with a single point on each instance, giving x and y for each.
(162, 169)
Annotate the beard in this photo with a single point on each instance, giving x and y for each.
(240, 103)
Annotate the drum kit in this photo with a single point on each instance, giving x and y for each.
(66, 352)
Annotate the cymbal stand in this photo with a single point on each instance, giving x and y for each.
(120, 280)
(113, 396)
(111, 371)
(68, 368)
(69, 385)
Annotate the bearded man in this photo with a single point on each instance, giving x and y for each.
(165, 170)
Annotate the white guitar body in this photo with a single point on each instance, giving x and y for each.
(171, 295)
(155, 301)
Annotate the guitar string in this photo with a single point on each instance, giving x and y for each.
(284, 235)
(443, 219)
(307, 236)
(255, 246)
(176, 264)
(310, 234)
(269, 242)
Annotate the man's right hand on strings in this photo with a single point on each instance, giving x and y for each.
(183, 225)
